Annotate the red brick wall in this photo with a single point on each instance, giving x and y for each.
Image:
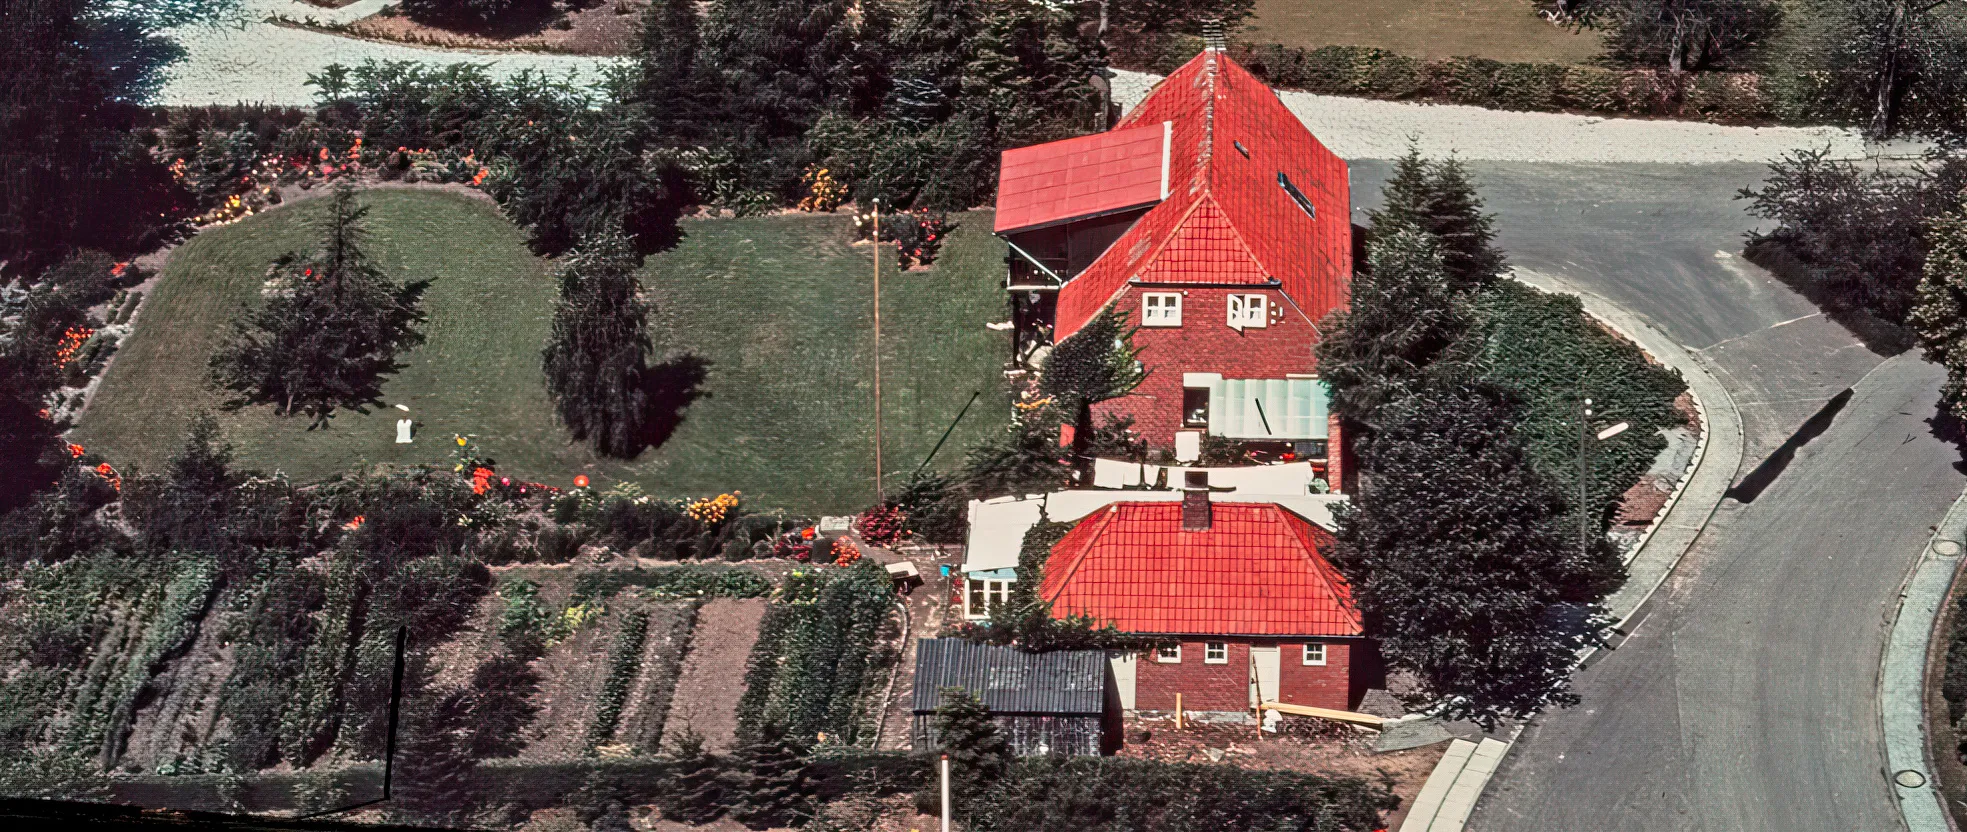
(1204, 343)
(1226, 687)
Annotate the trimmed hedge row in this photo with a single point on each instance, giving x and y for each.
(1368, 72)
(1722, 97)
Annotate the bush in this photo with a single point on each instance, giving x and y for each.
(488, 14)
(624, 663)
(1105, 794)
(1725, 97)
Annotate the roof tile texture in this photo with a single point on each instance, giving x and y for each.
(1256, 571)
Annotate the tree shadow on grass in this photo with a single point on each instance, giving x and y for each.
(671, 385)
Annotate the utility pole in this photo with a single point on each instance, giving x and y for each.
(880, 493)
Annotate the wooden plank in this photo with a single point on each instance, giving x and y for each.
(1323, 713)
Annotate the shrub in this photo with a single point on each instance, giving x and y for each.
(1104, 794)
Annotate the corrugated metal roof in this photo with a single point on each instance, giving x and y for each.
(1010, 681)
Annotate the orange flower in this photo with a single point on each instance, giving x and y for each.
(481, 480)
(74, 450)
(117, 270)
(806, 533)
(580, 480)
(354, 524)
(109, 473)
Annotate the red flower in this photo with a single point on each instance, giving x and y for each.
(580, 481)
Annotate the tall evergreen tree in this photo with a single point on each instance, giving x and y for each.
(1097, 363)
(597, 356)
(1405, 313)
(1940, 313)
(976, 747)
(769, 781)
(1457, 557)
(669, 87)
(1436, 196)
(333, 331)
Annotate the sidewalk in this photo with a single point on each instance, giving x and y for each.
(1903, 673)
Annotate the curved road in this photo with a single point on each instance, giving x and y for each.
(1745, 697)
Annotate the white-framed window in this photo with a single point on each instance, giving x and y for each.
(983, 593)
(1248, 312)
(1161, 309)
(1215, 652)
(1314, 654)
(1168, 655)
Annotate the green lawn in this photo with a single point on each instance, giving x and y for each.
(778, 305)
(1503, 30)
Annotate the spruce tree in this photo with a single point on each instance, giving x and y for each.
(1459, 559)
(598, 353)
(669, 87)
(1405, 313)
(1097, 363)
(697, 794)
(769, 781)
(1940, 314)
(1437, 197)
(331, 333)
(978, 751)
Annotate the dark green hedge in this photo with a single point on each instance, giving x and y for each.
(1545, 348)
(1109, 794)
(1723, 97)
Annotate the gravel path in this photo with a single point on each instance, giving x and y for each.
(1357, 128)
(249, 60)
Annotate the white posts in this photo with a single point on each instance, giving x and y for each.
(945, 768)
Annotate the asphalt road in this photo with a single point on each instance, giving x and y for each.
(1745, 698)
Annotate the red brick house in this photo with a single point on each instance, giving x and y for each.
(1261, 615)
(1220, 225)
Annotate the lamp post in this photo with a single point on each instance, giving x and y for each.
(1584, 471)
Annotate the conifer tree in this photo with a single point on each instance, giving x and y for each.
(769, 781)
(1437, 197)
(1097, 363)
(1459, 558)
(977, 748)
(598, 353)
(670, 87)
(1404, 314)
(328, 337)
(1940, 315)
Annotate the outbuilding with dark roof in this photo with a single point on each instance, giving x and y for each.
(1061, 702)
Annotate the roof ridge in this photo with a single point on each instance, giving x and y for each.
(1320, 566)
(1085, 549)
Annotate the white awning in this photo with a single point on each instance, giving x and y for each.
(1269, 408)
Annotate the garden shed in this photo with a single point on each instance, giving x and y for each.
(1046, 703)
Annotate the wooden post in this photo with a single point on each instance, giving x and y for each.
(880, 493)
(1178, 712)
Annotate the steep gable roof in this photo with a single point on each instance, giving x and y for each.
(1228, 217)
(1256, 571)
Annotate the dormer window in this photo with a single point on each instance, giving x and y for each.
(1297, 196)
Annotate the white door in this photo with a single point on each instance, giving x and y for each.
(1263, 674)
(1123, 678)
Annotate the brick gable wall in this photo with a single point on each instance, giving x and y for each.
(1204, 343)
(1349, 670)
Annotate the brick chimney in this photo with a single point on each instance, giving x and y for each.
(1195, 501)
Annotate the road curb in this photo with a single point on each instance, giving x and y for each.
(1902, 676)
(1717, 459)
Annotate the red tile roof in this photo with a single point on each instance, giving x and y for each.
(1227, 217)
(1080, 177)
(1256, 571)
